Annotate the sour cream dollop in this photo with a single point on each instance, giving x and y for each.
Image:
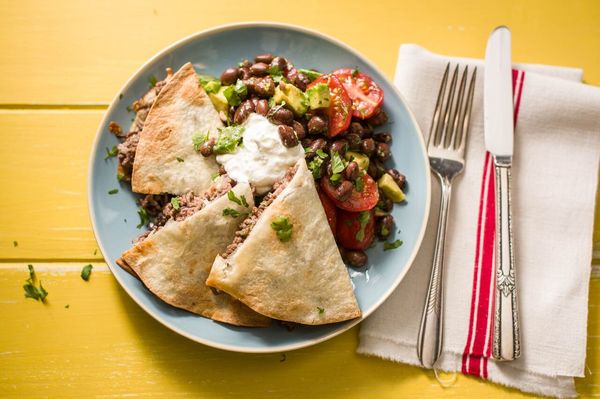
(262, 159)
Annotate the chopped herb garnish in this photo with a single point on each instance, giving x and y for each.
(152, 80)
(274, 70)
(310, 74)
(120, 176)
(15, 244)
(213, 86)
(120, 96)
(32, 290)
(144, 218)
(355, 72)
(113, 191)
(335, 178)
(282, 227)
(236, 93)
(337, 164)
(363, 219)
(176, 204)
(241, 89)
(348, 222)
(111, 153)
(198, 139)
(321, 310)
(215, 176)
(359, 184)
(231, 212)
(240, 201)
(315, 167)
(391, 245)
(128, 108)
(86, 271)
(228, 140)
(321, 153)
(179, 159)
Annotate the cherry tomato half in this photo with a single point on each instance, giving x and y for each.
(355, 230)
(340, 104)
(359, 200)
(330, 210)
(365, 94)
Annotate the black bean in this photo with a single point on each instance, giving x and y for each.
(398, 177)
(301, 81)
(376, 169)
(384, 226)
(262, 87)
(245, 64)
(382, 151)
(355, 258)
(244, 73)
(206, 149)
(339, 146)
(281, 116)
(259, 69)
(266, 58)
(352, 171)
(262, 107)
(353, 141)
(243, 111)
(280, 63)
(318, 144)
(288, 136)
(306, 142)
(378, 119)
(357, 128)
(344, 190)
(299, 129)
(317, 125)
(222, 170)
(383, 137)
(385, 204)
(367, 146)
(229, 76)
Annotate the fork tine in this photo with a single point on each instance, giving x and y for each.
(448, 108)
(435, 123)
(467, 112)
(458, 114)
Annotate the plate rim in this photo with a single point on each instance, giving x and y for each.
(222, 28)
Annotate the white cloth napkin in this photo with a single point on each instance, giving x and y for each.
(555, 164)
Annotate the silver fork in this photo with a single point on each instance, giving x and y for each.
(446, 150)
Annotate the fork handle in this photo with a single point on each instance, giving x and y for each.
(506, 342)
(429, 342)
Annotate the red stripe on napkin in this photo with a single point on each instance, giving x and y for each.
(479, 338)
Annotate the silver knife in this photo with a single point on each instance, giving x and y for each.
(499, 126)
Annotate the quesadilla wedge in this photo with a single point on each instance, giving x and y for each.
(173, 260)
(284, 262)
(165, 158)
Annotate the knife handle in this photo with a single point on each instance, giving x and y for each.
(506, 342)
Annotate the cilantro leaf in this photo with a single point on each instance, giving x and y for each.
(231, 212)
(363, 219)
(232, 96)
(179, 159)
(335, 178)
(355, 72)
(310, 74)
(113, 191)
(391, 245)
(85, 272)
(198, 139)
(175, 203)
(215, 176)
(337, 164)
(240, 201)
(359, 184)
(111, 153)
(283, 228)
(152, 80)
(31, 289)
(120, 176)
(322, 154)
(228, 140)
(315, 167)
(144, 218)
(244, 202)
(321, 310)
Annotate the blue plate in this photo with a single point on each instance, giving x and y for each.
(114, 217)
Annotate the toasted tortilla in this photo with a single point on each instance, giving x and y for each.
(303, 280)
(174, 262)
(181, 110)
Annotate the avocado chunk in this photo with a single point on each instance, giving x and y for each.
(361, 159)
(219, 100)
(389, 187)
(294, 98)
(318, 96)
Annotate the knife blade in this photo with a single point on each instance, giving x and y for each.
(499, 130)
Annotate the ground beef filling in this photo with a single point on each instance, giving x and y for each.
(189, 204)
(249, 223)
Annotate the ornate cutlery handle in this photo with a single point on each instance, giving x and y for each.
(506, 343)
(429, 343)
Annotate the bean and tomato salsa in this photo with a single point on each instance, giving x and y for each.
(338, 119)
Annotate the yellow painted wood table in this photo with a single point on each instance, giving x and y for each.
(61, 64)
